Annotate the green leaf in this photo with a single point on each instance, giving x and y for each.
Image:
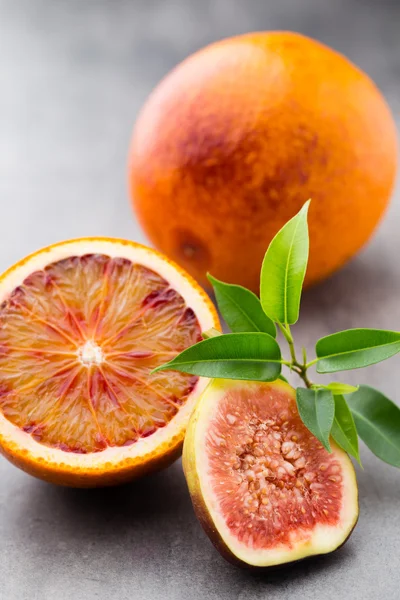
(344, 431)
(317, 411)
(251, 356)
(340, 388)
(284, 268)
(282, 378)
(241, 309)
(378, 423)
(355, 348)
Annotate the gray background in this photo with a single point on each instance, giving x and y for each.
(73, 75)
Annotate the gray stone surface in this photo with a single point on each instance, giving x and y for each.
(73, 75)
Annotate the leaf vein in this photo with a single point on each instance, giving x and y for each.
(242, 311)
(372, 426)
(358, 350)
(285, 289)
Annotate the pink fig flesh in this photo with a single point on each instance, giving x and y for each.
(264, 488)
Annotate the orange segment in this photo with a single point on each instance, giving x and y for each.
(79, 338)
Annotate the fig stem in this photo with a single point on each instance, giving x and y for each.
(312, 362)
(294, 364)
(288, 363)
(304, 352)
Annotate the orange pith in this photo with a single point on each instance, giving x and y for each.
(77, 342)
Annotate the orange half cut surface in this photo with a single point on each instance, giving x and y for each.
(82, 325)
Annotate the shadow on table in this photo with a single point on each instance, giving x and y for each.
(297, 571)
(151, 525)
(158, 494)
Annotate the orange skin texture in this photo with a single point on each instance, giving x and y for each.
(236, 138)
(114, 474)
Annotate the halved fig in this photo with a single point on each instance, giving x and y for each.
(263, 487)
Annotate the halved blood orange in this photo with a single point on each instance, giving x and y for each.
(82, 325)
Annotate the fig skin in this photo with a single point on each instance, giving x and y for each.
(203, 514)
(199, 506)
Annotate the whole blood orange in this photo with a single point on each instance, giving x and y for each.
(234, 140)
(82, 325)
